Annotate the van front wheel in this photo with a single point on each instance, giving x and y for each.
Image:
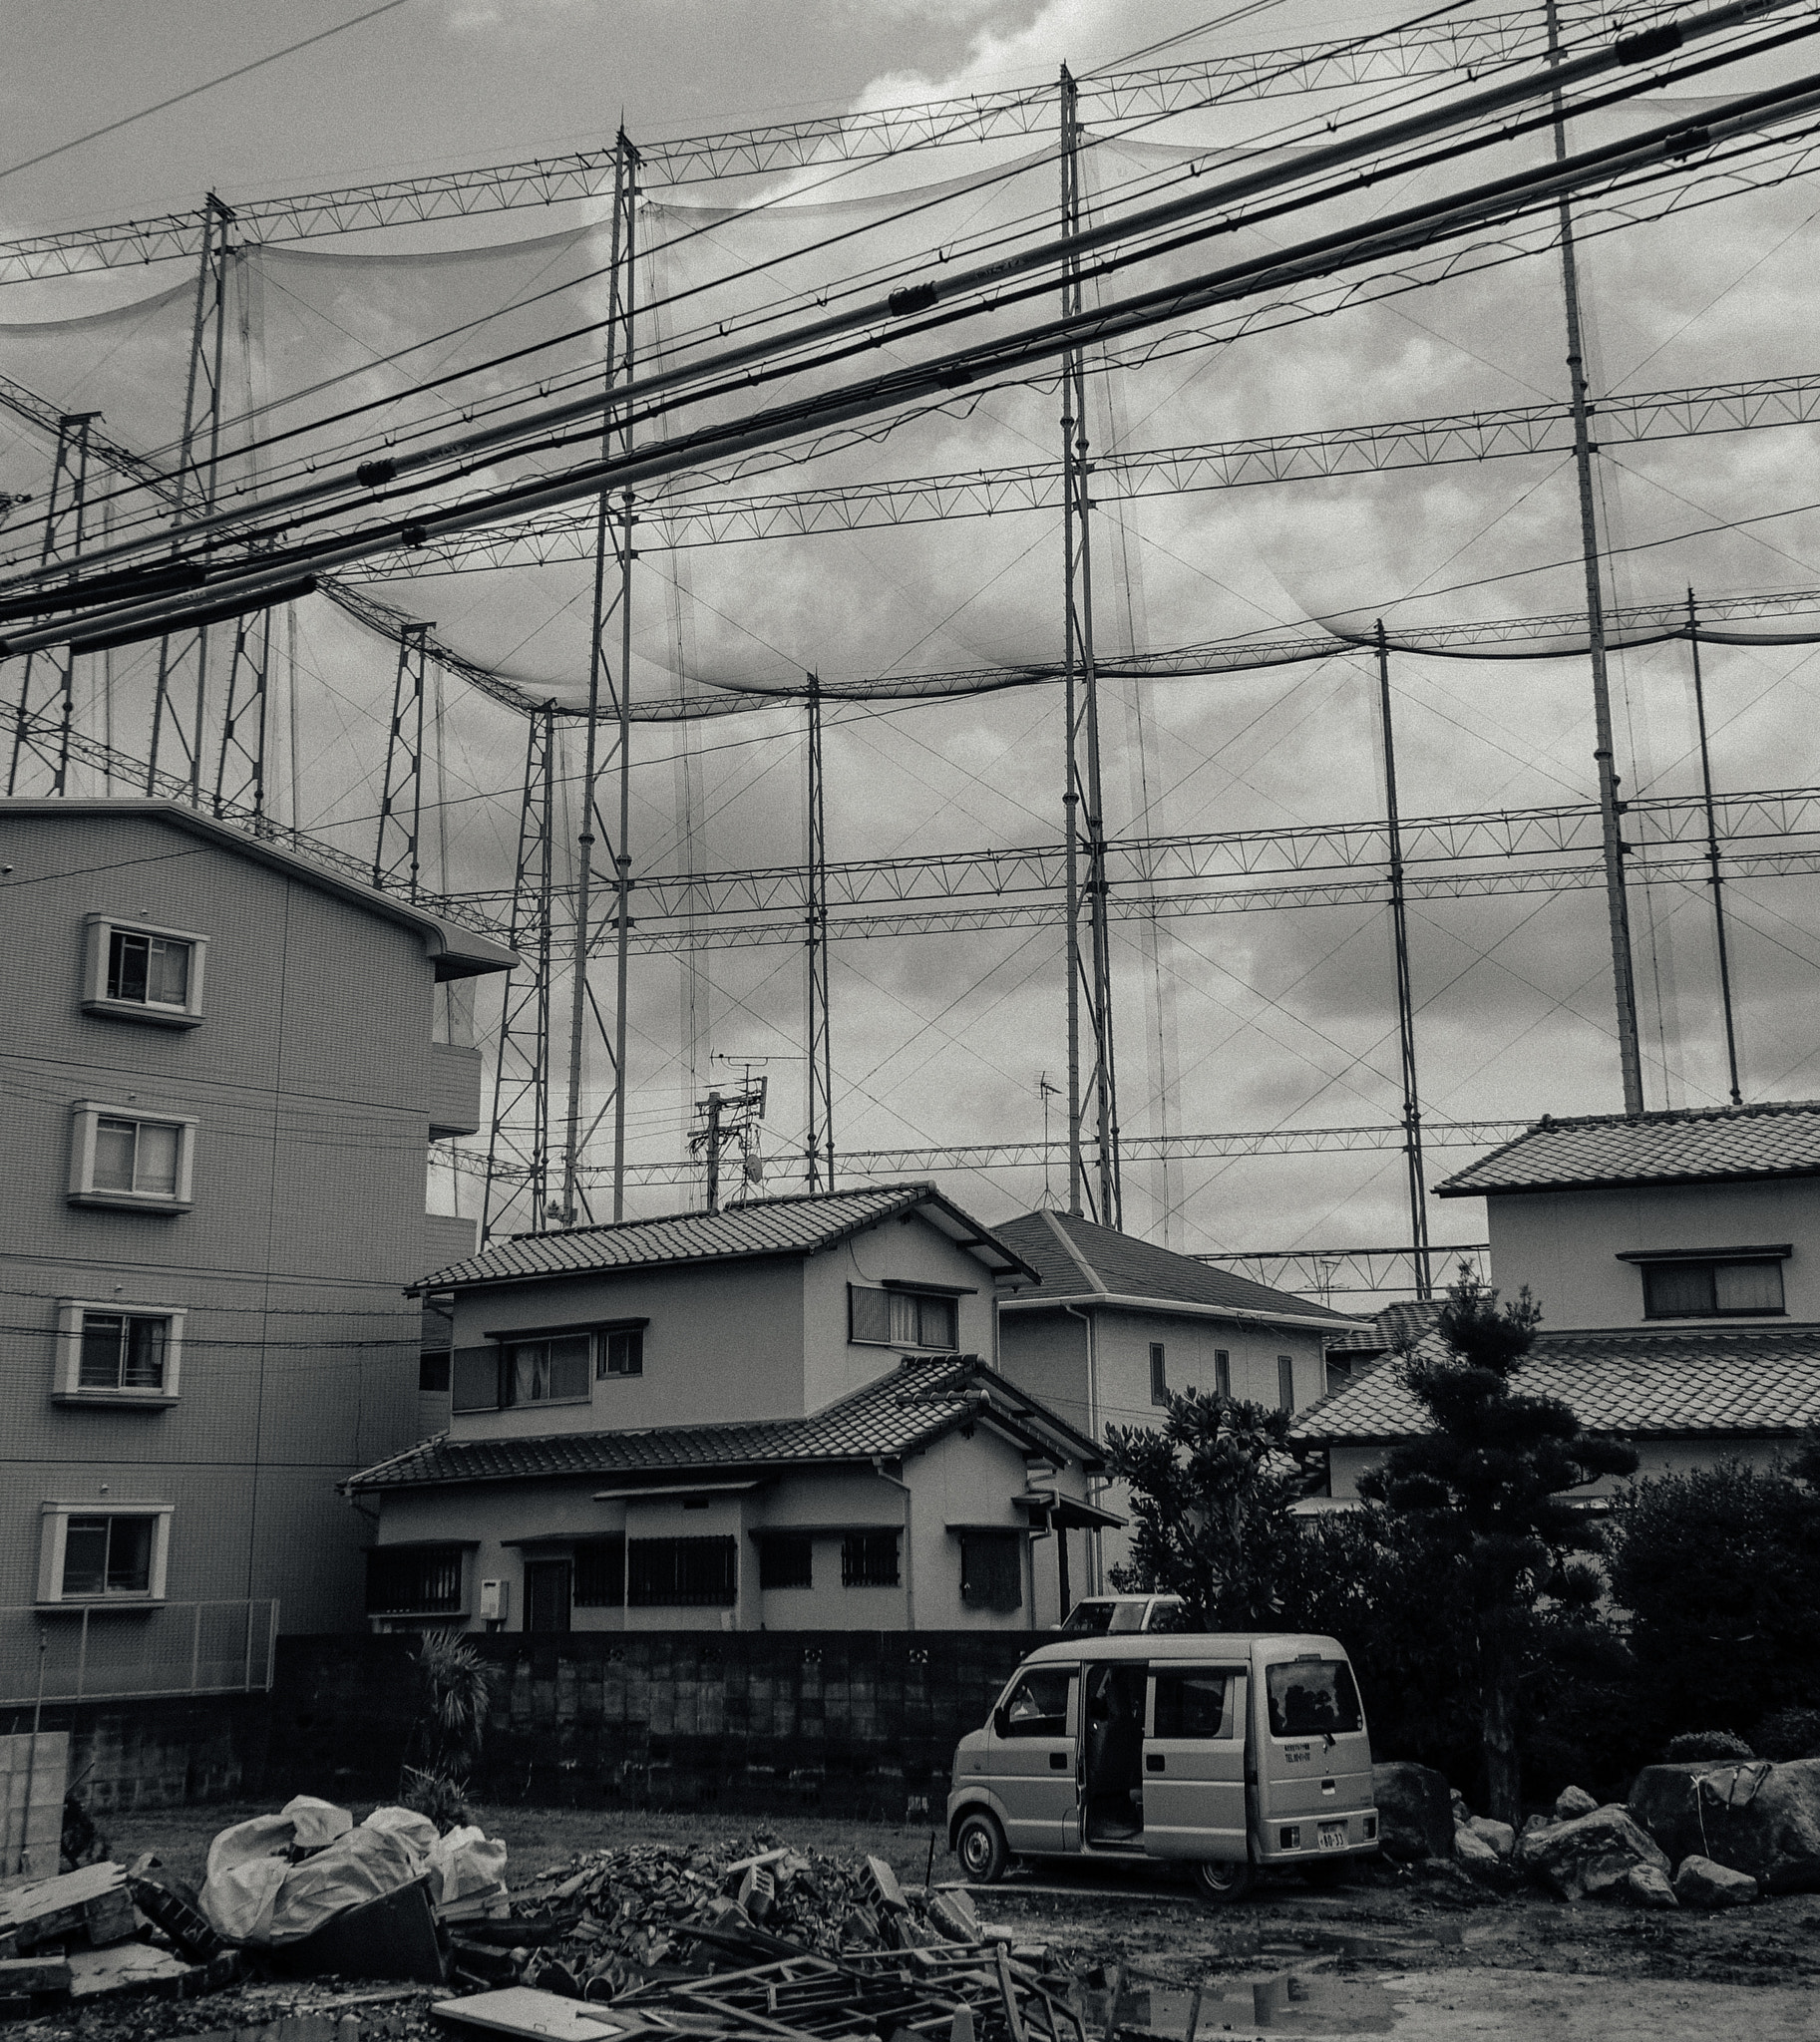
(1223, 1882)
(980, 1844)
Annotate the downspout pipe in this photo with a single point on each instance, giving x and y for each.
(910, 1544)
(1095, 1484)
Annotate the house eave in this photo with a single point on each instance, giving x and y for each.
(1113, 1301)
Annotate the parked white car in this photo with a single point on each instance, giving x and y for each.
(1099, 1616)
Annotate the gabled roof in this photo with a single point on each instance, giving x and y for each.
(1716, 1145)
(456, 951)
(1748, 1383)
(761, 1227)
(1397, 1326)
(914, 1406)
(1081, 1262)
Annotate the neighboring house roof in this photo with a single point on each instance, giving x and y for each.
(1743, 1384)
(1717, 1145)
(457, 951)
(918, 1403)
(1079, 1262)
(761, 1227)
(1396, 1326)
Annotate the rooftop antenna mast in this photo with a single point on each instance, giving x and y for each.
(727, 1117)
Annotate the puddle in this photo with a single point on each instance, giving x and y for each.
(1293, 2003)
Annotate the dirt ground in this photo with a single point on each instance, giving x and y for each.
(1391, 1952)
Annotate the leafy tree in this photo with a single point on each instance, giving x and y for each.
(1487, 1483)
(1211, 1491)
(1721, 1572)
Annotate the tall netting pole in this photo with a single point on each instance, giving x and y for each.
(819, 1145)
(1714, 878)
(1083, 810)
(43, 733)
(1405, 1002)
(608, 676)
(1618, 908)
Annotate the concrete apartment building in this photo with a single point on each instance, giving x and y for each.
(222, 1082)
(1677, 1260)
(783, 1416)
(1114, 1325)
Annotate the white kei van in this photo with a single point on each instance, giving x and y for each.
(1222, 1752)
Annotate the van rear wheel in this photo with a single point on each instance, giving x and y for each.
(1221, 1882)
(980, 1844)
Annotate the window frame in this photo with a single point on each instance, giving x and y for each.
(424, 1552)
(1223, 1373)
(1285, 1382)
(637, 1595)
(86, 1116)
(55, 1515)
(68, 1386)
(858, 1575)
(99, 933)
(1647, 1262)
(633, 1332)
(546, 1339)
(1159, 1373)
(918, 1294)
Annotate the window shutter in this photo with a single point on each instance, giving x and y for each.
(868, 1314)
(476, 1378)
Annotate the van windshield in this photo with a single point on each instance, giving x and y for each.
(1311, 1697)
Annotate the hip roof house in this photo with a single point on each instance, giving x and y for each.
(776, 1415)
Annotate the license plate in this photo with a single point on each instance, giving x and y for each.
(1332, 1835)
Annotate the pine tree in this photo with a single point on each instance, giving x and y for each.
(1490, 1480)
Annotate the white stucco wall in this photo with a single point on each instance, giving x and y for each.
(1564, 1244)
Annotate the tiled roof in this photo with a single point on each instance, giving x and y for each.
(1707, 1145)
(761, 1227)
(1075, 1259)
(915, 1404)
(1398, 1325)
(1745, 1383)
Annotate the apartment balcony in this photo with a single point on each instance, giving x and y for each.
(454, 1089)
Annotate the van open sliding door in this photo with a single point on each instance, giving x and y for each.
(1193, 1763)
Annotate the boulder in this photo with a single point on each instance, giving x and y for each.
(1413, 1816)
(1759, 1819)
(1647, 1887)
(1500, 1836)
(1701, 1884)
(1457, 1799)
(1591, 1855)
(1573, 1802)
(1544, 1822)
(1472, 1849)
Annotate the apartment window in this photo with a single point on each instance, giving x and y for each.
(901, 1318)
(1285, 1382)
(413, 1580)
(786, 1559)
(622, 1349)
(117, 1353)
(1719, 1287)
(992, 1569)
(102, 1556)
(123, 1159)
(1223, 1372)
(545, 1371)
(601, 1572)
(1159, 1374)
(869, 1560)
(681, 1574)
(140, 973)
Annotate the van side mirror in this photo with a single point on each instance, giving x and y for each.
(1001, 1721)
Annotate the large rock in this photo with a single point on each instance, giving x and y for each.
(1645, 1885)
(1572, 1802)
(1756, 1818)
(1500, 1836)
(1472, 1849)
(1702, 1883)
(1591, 1855)
(1414, 1814)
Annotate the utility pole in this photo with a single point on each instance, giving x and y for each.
(33, 729)
(1610, 809)
(727, 1115)
(819, 1144)
(1406, 1003)
(1083, 811)
(612, 617)
(1713, 855)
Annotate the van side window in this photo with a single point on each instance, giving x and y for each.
(1310, 1697)
(1194, 1701)
(1038, 1705)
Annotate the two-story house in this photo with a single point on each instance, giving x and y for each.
(1675, 1257)
(780, 1416)
(222, 1082)
(1113, 1324)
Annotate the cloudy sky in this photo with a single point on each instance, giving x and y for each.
(1251, 1020)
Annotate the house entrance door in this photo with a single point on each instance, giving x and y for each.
(547, 1594)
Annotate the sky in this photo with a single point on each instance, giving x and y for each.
(1257, 1020)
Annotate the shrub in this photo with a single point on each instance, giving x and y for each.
(1694, 1744)
(443, 1799)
